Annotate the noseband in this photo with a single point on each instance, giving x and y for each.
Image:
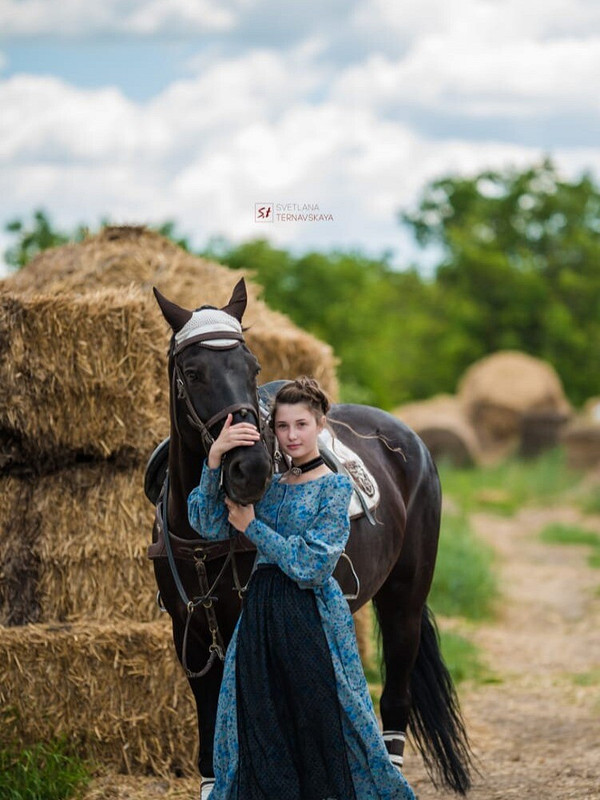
(179, 390)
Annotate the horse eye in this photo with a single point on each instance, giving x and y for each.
(192, 375)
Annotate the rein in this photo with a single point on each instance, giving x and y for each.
(200, 552)
(206, 599)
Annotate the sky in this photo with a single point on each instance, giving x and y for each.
(208, 112)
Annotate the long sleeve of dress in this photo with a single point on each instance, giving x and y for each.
(310, 558)
(207, 511)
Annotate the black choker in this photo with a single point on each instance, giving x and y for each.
(306, 467)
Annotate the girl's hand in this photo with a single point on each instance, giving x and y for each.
(239, 516)
(243, 434)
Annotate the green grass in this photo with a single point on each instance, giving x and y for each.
(506, 487)
(591, 678)
(45, 771)
(574, 535)
(590, 504)
(461, 656)
(464, 582)
(463, 659)
(594, 560)
(556, 533)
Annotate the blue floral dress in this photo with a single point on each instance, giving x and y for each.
(302, 529)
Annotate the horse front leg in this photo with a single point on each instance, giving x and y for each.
(206, 695)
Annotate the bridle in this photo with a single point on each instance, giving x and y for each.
(207, 597)
(180, 390)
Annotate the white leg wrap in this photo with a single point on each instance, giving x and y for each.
(206, 788)
(394, 743)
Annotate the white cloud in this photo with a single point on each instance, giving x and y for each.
(256, 86)
(463, 76)
(480, 20)
(203, 156)
(73, 18)
(268, 125)
(45, 120)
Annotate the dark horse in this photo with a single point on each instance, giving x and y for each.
(214, 373)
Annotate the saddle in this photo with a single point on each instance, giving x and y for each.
(338, 457)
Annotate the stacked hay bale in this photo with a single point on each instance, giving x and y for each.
(84, 400)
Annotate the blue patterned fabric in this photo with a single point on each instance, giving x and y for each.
(303, 529)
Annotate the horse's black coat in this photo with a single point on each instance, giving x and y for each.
(394, 560)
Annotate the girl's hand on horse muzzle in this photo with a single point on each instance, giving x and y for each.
(242, 434)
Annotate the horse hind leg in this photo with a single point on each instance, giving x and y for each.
(399, 627)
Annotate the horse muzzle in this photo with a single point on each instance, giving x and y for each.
(246, 473)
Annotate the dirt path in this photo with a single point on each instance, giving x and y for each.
(535, 732)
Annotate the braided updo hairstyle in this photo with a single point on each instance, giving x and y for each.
(302, 390)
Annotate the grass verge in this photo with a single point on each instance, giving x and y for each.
(556, 533)
(465, 582)
(463, 659)
(506, 487)
(45, 771)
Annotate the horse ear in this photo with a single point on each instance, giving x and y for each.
(237, 302)
(175, 315)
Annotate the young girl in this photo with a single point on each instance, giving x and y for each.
(295, 719)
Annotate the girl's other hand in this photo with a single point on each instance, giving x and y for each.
(239, 516)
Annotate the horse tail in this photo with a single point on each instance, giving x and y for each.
(435, 719)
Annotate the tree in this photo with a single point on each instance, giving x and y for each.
(520, 266)
(35, 238)
(40, 234)
(372, 315)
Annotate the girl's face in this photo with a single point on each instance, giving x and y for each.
(296, 428)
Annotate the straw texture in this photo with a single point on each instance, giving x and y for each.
(114, 690)
(73, 545)
(442, 424)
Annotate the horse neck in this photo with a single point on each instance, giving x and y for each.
(185, 468)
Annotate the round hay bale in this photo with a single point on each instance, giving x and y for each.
(540, 430)
(83, 339)
(496, 391)
(442, 425)
(591, 410)
(581, 441)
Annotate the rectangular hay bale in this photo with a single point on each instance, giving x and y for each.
(80, 376)
(116, 691)
(73, 545)
(85, 376)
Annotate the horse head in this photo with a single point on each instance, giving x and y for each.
(213, 374)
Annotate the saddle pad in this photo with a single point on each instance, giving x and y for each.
(352, 464)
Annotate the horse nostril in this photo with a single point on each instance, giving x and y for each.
(238, 469)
